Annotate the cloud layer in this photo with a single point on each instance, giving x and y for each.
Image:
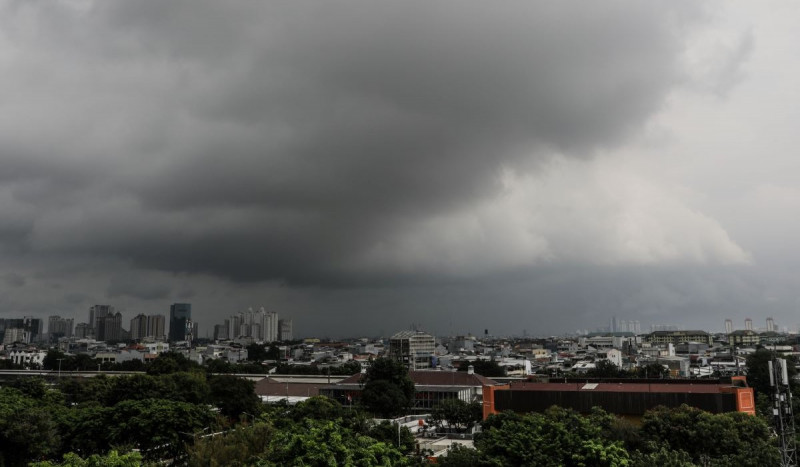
(347, 145)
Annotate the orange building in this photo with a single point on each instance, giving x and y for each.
(625, 397)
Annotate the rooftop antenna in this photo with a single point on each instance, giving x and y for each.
(782, 411)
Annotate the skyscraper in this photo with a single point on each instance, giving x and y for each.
(728, 326)
(58, 327)
(748, 324)
(98, 312)
(770, 324)
(139, 327)
(109, 327)
(180, 322)
(155, 326)
(285, 330)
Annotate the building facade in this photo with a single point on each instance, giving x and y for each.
(180, 322)
(285, 330)
(677, 337)
(415, 349)
(58, 327)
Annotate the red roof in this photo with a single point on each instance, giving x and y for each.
(270, 387)
(438, 378)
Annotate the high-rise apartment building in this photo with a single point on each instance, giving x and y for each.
(58, 327)
(156, 327)
(151, 326)
(139, 327)
(97, 313)
(285, 330)
(180, 322)
(728, 326)
(748, 324)
(770, 324)
(221, 331)
(29, 329)
(83, 331)
(260, 325)
(109, 327)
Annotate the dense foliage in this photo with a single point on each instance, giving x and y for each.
(388, 390)
(179, 411)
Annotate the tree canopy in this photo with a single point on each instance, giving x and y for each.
(388, 390)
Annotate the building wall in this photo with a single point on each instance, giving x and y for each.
(179, 315)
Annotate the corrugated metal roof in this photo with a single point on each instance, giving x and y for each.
(620, 387)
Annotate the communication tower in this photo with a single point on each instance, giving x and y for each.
(782, 411)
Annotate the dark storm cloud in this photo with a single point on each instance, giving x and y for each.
(279, 142)
(135, 286)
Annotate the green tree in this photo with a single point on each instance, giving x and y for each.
(86, 390)
(34, 387)
(319, 442)
(652, 370)
(459, 456)
(556, 437)
(274, 353)
(388, 390)
(233, 395)
(217, 365)
(238, 447)
(158, 427)
(387, 432)
(191, 387)
(758, 370)
(112, 459)
(28, 434)
(456, 415)
(731, 438)
(605, 369)
(256, 352)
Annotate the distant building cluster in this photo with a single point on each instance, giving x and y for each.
(104, 338)
(254, 326)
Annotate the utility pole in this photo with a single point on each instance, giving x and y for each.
(782, 411)
(59, 367)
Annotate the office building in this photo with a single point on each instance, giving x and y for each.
(180, 322)
(413, 348)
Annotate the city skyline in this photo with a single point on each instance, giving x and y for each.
(366, 166)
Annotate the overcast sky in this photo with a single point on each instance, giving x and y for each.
(362, 167)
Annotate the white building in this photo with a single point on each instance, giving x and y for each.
(27, 358)
(414, 348)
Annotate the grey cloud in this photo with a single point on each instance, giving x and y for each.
(14, 279)
(195, 150)
(137, 286)
(277, 142)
